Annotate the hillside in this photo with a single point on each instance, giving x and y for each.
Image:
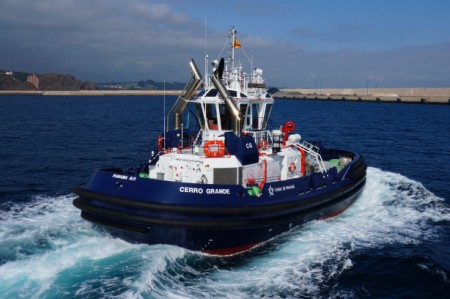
(10, 80)
(141, 85)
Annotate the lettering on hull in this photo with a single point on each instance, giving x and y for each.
(124, 177)
(194, 190)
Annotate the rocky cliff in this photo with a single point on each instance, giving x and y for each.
(26, 81)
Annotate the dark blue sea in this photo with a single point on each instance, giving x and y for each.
(394, 242)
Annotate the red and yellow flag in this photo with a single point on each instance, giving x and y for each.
(236, 43)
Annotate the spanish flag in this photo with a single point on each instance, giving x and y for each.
(236, 43)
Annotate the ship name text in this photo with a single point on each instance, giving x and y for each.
(194, 190)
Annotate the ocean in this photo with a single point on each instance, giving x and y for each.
(394, 242)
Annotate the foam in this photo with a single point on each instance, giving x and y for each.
(158, 258)
(69, 239)
(391, 210)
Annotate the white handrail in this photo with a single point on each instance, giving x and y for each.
(313, 151)
(197, 137)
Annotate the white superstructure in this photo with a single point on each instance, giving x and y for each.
(235, 104)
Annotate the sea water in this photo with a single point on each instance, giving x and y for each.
(394, 241)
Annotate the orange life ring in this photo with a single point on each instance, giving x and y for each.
(292, 167)
(288, 127)
(263, 144)
(214, 148)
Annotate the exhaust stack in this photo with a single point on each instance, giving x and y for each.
(188, 92)
(229, 103)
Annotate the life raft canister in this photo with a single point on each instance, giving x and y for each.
(214, 148)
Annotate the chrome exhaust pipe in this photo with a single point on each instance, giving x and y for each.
(187, 94)
(229, 103)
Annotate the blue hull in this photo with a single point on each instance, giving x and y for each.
(216, 219)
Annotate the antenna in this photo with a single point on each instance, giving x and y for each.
(206, 55)
(164, 104)
(206, 29)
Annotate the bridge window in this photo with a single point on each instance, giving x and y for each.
(226, 120)
(247, 119)
(212, 93)
(211, 116)
(255, 116)
(201, 93)
(267, 110)
(200, 116)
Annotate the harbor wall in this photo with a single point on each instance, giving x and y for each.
(388, 95)
(397, 95)
(94, 92)
(374, 91)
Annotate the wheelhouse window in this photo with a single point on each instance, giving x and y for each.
(211, 116)
(267, 110)
(247, 119)
(226, 121)
(201, 118)
(243, 109)
(201, 93)
(207, 115)
(255, 116)
(212, 93)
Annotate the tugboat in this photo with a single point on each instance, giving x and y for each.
(230, 181)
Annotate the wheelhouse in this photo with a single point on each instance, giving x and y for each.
(214, 115)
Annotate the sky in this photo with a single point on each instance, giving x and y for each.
(298, 43)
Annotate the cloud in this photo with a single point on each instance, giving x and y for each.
(115, 40)
(98, 40)
(409, 66)
(342, 33)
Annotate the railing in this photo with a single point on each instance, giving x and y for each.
(313, 151)
(143, 158)
(261, 137)
(199, 134)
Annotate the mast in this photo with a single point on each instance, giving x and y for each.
(233, 44)
(206, 80)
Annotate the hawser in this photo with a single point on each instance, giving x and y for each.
(220, 179)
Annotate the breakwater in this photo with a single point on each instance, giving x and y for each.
(386, 95)
(93, 92)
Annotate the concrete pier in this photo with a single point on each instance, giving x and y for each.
(94, 92)
(440, 96)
